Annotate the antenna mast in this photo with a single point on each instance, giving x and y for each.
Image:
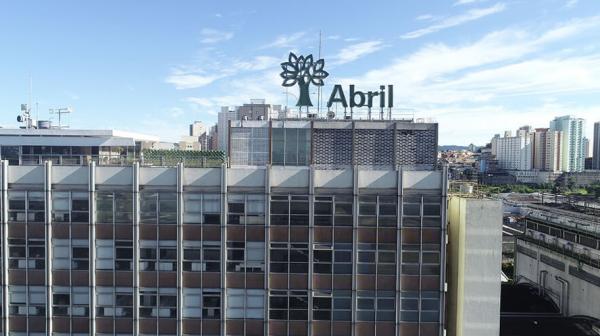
(319, 87)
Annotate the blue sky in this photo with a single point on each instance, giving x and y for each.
(477, 67)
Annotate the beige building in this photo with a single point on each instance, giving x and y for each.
(547, 150)
(474, 258)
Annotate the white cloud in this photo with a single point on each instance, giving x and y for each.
(213, 36)
(571, 3)
(466, 2)
(425, 17)
(183, 81)
(258, 63)
(355, 51)
(452, 21)
(285, 41)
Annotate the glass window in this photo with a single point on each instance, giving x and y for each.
(201, 208)
(70, 301)
(245, 256)
(289, 257)
(158, 255)
(158, 208)
(26, 254)
(201, 256)
(202, 303)
(158, 302)
(114, 301)
(289, 210)
(114, 207)
(288, 305)
(245, 303)
(291, 146)
(27, 300)
(26, 206)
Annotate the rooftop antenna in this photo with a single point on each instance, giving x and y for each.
(319, 87)
(60, 112)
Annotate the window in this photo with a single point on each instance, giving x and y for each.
(74, 256)
(161, 302)
(323, 210)
(587, 241)
(322, 305)
(202, 303)
(343, 210)
(375, 306)
(342, 258)
(246, 209)
(322, 258)
(291, 146)
(289, 257)
(245, 303)
(70, 207)
(248, 256)
(342, 305)
(114, 254)
(409, 307)
(26, 254)
(411, 211)
(158, 208)
(201, 256)
(376, 258)
(430, 306)
(201, 208)
(378, 210)
(288, 305)
(70, 301)
(24, 300)
(432, 211)
(289, 210)
(114, 208)
(26, 206)
(158, 256)
(114, 301)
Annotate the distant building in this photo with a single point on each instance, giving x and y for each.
(197, 129)
(474, 260)
(572, 146)
(596, 145)
(514, 152)
(560, 254)
(547, 150)
(258, 109)
(196, 138)
(73, 147)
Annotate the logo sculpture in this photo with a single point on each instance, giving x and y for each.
(303, 71)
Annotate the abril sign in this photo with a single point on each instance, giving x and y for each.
(304, 71)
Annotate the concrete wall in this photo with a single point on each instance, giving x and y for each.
(474, 259)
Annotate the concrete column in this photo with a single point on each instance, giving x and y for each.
(355, 190)
(4, 233)
(180, 173)
(223, 247)
(399, 209)
(311, 240)
(92, 243)
(444, 245)
(267, 240)
(136, 249)
(48, 229)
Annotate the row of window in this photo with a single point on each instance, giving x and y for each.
(206, 303)
(243, 209)
(568, 235)
(205, 256)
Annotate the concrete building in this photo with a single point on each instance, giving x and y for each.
(572, 151)
(72, 147)
(547, 150)
(258, 109)
(596, 147)
(334, 143)
(474, 259)
(514, 152)
(559, 253)
(197, 129)
(347, 240)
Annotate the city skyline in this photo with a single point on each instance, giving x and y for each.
(494, 64)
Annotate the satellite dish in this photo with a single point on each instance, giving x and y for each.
(330, 114)
(19, 118)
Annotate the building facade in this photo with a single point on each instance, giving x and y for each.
(514, 152)
(573, 147)
(547, 150)
(293, 250)
(596, 147)
(560, 254)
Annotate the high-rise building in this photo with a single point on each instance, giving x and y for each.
(546, 150)
(514, 152)
(572, 148)
(197, 129)
(348, 241)
(474, 258)
(596, 147)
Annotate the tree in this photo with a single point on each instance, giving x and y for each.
(303, 71)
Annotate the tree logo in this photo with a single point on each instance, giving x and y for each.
(303, 70)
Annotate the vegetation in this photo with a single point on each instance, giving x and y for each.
(570, 189)
(190, 158)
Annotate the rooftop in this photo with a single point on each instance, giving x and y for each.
(70, 137)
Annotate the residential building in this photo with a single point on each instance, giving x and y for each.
(197, 129)
(514, 152)
(331, 239)
(547, 150)
(474, 259)
(560, 255)
(596, 147)
(572, 145)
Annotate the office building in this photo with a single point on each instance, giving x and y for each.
(474, 259)
(572, 148)
(596, 147)
(197, 129)
(560, 255)
(514, 152)
(72, 147)
(340, 241)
